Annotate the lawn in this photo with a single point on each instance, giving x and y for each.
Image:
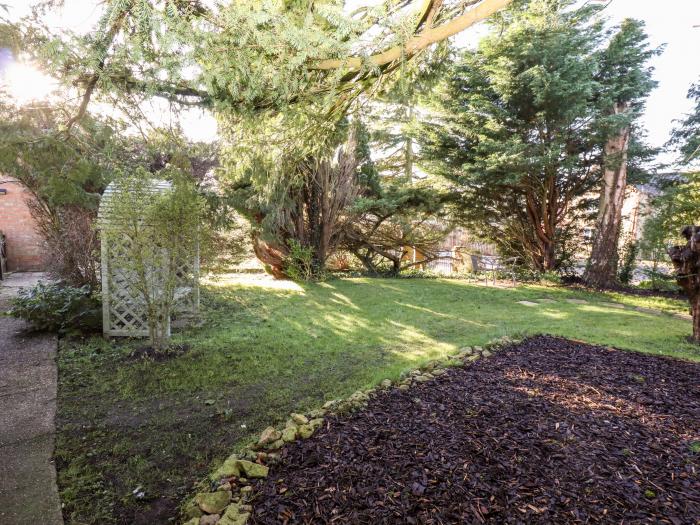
(134, 435)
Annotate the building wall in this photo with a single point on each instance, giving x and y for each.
(25, 248)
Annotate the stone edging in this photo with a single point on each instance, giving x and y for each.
(225, 496)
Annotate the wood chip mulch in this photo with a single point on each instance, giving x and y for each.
(547, 431)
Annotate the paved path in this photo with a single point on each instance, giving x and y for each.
(28, 493)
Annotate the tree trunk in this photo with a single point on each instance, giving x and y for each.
(273, 256)
(695, 309)
(541, 219)
(686, 261)
(601, 271)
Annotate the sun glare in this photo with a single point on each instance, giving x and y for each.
(24, 83)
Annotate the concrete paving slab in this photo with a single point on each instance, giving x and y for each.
(528, 303)
(28, 381)
(614, 305)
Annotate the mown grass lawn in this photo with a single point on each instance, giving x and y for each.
(133, 435)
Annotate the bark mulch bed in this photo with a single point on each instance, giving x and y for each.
(547, 431)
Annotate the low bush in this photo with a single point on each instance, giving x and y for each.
(299, 262)
(58, 307)
(628, 259)
(660, 285)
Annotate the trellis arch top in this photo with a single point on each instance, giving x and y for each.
(124, 312)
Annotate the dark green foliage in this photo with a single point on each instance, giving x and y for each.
(628, 261)
(518, 129)
(686, 137)
(677, 206)
(298, 263)
(58, 307)
(62, 170)
(624, 74)
(660, 282)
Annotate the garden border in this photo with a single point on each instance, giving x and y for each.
(224, 498)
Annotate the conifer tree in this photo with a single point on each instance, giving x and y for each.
(516, 129)
(625, 80)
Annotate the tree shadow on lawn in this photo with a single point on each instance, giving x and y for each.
(135, 436)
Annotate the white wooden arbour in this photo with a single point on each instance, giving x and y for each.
(123, 309)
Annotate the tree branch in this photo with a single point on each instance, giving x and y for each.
(419, 42)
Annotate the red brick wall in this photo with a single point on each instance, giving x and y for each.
(25, 248)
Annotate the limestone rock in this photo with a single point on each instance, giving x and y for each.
(404, 387)
(228, 469)
(213, 502)
(289, 434)
(464, 352)
(386, 383)
(252, 470)
(299, 419)
(211, 519)
(423, 378)
(269, 435)
(318, 412)
(486, 353)
(316, 423)
(193, 521)
(276, 445)
(359, 396)
(473, 358)
(234, 516)
(306, 431)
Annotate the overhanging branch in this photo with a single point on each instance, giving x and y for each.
(425, 38)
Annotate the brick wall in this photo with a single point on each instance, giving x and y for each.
(25, 248)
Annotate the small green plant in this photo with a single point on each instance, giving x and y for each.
(551, 277)
(628, 259)
(299, 262)
(660, 284)
(58, 307)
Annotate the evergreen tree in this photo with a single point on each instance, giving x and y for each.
(625, 81)
(515, 129)
(686, 137)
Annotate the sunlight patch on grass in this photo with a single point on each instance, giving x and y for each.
(343, 299)
(254, 280)
(555, 314)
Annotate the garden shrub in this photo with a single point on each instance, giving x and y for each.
(627, 261)
(551, 277)
(58, 307)
(299, 262)
(661, 284)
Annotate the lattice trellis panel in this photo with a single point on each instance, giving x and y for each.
(123, 307)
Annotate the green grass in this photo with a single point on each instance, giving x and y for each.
(262, 353)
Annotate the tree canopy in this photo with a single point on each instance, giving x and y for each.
(686, 136)
(518, 133)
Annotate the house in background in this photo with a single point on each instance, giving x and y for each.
(25, 249)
